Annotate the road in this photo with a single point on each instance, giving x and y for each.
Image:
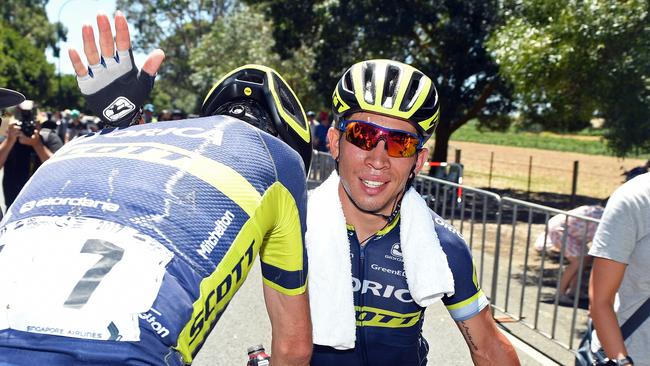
(245, 323)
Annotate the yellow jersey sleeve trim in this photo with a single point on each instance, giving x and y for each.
(286, 291)
(465, 302)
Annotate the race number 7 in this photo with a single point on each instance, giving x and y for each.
(111, 254)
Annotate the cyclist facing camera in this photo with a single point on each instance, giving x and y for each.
(386, 256)
(139, 236)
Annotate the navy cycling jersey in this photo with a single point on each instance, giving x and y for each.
(389, 322)
(126, 246)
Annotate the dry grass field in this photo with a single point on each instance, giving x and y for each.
(552, 171)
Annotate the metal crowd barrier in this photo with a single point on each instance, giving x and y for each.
(322, 165)
(520, 281)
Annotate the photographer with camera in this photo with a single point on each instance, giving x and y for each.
(34, 146)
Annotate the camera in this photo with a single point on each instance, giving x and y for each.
(27, 127)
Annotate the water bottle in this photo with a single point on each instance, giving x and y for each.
(257, 356)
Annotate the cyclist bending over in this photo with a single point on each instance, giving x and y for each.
(126, 247)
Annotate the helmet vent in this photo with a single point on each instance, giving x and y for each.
(252, 78)
(411, 92)
(347, 82)
(286, 101)
(289, 102)
(369, 83)
(390, 86)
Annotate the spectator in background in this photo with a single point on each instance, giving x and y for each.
(76, 126)
(178, 114)
(147, 113)
(324, 116)
(320, 135)
(619, 282)
(92, 123)
(62, 128)
(24, 150)
(311, 116)
(165, 115)
(47, 120)
(578, 233)
(8, 98)
(629, 174)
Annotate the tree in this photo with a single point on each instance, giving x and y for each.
(444, 39)
(68, 96)
(244, 37)
(29, 19)
(572, 60)
(25, 33)
(205, 39)
(23, 66)
(176, 26)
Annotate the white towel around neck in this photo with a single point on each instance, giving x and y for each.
(330, 269)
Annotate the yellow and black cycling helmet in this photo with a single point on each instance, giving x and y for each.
(390, 88)
(259, 95)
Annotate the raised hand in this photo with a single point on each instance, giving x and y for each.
(113, 88)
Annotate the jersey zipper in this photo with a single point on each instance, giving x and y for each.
(362, 298)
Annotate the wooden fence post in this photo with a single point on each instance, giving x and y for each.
(491, 165)
(574, 184)
(530, 173)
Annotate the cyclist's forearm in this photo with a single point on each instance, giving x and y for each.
(499, 352)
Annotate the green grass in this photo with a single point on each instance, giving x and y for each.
(545, 141)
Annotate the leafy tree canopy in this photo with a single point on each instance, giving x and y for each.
(245, 37)
(176, 26)
(444, 39)
(202, 41)
(25, 34)
(572, 60)
(29, 19)
(68, 96)
(23, 66)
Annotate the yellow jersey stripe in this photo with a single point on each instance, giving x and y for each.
(368, 316)
(220, 176)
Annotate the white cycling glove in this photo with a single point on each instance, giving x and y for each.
(115, 90)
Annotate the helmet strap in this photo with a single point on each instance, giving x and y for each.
(411, 178)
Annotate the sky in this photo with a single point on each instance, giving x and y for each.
(73, 14)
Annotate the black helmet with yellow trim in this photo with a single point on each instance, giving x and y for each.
(389, 88)
(259, 95)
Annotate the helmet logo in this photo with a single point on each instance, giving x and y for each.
(248, 91)
(428, 124)
(338, 102)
